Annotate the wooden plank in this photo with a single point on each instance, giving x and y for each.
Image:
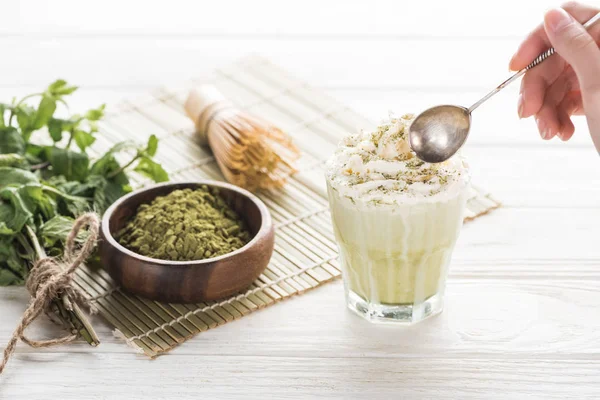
(515, 316)
(307, 377)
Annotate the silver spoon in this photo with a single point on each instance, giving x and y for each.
(439, 132)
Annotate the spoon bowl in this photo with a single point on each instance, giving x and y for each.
(439, 132)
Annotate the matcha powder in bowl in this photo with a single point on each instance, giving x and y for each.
(185, 225)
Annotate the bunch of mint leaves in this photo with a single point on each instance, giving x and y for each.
(47, 177)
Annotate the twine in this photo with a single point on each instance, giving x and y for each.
(50, 278)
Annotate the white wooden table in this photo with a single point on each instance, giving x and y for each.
(523, 304)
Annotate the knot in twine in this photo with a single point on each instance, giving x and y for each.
(50, 278)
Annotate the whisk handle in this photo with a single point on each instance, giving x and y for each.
(201, 105)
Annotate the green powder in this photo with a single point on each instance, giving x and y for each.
(185, 225)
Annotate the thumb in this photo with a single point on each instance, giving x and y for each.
(575, 45)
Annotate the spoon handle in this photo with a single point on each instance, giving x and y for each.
(537, 61)
(551, 50)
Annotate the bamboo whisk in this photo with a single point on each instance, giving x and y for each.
(250, 152)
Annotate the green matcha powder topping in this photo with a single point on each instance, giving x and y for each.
(185, 225)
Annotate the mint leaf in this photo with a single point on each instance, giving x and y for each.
(95, 114)
(11, 141)
(122, 146)
(83, 139)
(23, 197)
(47, 205)
(56, 230)
(35, 149)
(106, 191)
(153, 170)
(5, 230)
(11, 160)
(16, 211)
(57, 85)
(12, 270)
(152, 145)
(104, 165)
(6, 214)
(35, 154)
(55, 128)
(31, 195)
(10, 278)
(66, 90)
(44, 112)
(26, 119)
(108, 164)
(72, 165)
(61, 88)
(16, 177)
(66, 203)
(108, 194)
(2, 110)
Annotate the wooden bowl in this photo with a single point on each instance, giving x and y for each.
(188, 281)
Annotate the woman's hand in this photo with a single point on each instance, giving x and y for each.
(567, 83)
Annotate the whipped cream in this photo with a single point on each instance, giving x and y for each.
(379, 167)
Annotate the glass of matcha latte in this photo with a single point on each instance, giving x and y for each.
(396, 220)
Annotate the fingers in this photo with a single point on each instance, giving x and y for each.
(547, 117)
(530, 48)
(591, 103)
(571, 103)
(547, 122)
(534, 85)
(575, 45)
(537, 41)
(569, 106)
(579, 49)
(563, 101)
(564, 84)
(567, 129)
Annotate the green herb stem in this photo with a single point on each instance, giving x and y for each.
(30, 253)
(70, 140)
(64, 195)
(39, 250)
(43, 165)
(69, 311)
(124, 167)
(72, 131)
(12, 112)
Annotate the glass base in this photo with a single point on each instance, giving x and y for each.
(404, 314)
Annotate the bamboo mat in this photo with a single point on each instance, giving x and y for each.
(305, 253)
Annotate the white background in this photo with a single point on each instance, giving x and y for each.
(523, 308)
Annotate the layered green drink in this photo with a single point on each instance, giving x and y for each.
(396, 221)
